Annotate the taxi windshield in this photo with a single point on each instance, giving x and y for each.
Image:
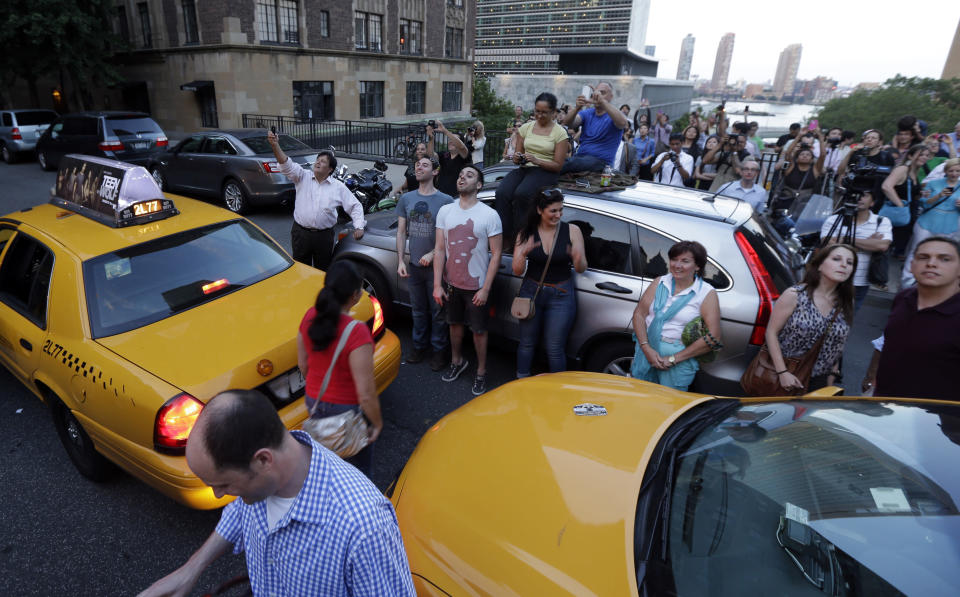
(806, 498)
(139, 285)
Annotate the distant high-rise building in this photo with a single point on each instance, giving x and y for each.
(721, 68)
(951, 68)
(516, 36)
(649, 50)
(787, 66)
(686, 58)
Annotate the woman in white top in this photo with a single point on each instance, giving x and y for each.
(664, 310)
(479, 138)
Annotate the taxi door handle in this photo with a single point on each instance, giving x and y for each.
(26, 344)
(613, 287)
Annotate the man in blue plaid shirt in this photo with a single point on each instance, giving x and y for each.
(309, 523)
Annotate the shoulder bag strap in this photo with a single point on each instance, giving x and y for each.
(814, 351)
(935, 205)
(543, 276)
(336, 353)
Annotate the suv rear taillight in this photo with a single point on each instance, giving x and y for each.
(175, 419)
(15, 135)
(766, 290)
(114, 145)
(162, 142)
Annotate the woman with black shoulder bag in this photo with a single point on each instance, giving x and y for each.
(550, 250)
(335, 355)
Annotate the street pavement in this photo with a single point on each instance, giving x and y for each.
(63, 534)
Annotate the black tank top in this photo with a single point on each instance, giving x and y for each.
(799, 180)
(561, 264)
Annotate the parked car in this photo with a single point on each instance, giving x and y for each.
(126, 310)
(237, 166)
(627, 235)
(589, 484)
(131, 137)
(20, 129)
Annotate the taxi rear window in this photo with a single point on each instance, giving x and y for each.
(145, 283)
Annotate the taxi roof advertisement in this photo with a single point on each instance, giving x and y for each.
(107, 191)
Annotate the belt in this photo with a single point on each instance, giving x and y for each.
(307, 228)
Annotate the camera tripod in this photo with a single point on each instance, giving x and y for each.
(844, 228)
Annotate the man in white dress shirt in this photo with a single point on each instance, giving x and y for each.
(318, 195)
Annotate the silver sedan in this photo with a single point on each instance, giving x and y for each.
(237, 166)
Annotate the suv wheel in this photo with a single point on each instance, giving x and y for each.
(614, 357)
(234, 197)
(42, 158)
(8, 156)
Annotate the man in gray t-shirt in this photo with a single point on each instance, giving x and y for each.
(417, 219)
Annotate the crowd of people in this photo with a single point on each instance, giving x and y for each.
(907, 205)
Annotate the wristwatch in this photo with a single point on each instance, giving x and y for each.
(672, 359)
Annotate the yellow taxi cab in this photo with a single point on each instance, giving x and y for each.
(126, 310)
(592, 484)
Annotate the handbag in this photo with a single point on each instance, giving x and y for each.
(761, 379)
(898, 216)
(346, 433)
(524, 308)
(695, 329)
(879, 270)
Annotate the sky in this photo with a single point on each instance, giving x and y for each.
(849, 40)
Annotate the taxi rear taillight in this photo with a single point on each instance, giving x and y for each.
(377, 328)
(174, 422)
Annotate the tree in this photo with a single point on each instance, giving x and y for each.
(492, 110)
(59, 38)
(935, 101)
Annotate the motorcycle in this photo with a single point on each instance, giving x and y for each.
(370, 186)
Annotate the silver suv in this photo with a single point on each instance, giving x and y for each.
(628, 234)
(20, 129)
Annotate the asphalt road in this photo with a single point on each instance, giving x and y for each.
(64, 535)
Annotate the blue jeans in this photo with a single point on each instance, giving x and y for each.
(363, 459)
(556, 308)
(429, 327)
(859, 293)
(583, 163)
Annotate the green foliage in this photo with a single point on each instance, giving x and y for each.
(492, 110)
(935, 101)
(66, 39)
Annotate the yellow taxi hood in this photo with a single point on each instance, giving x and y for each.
(217, 345)
(521, 496)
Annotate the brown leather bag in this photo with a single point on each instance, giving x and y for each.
(524, 308)
(761, 379)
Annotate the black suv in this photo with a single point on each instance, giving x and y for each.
(131, 137)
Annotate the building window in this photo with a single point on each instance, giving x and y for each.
(313, 100)
(324, 23)
(123, 27)
(454, 2)
(368, 31)
(371, 99)
(277, 21)
(410, 36)
(416, 97)
(144, 11)
(452, 96)
(454, 45)
(190, 22)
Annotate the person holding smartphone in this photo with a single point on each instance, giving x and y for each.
(601, 125)
(941, 209)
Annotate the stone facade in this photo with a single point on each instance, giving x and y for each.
(254, 77)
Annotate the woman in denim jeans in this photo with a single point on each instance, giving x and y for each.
(556, 302)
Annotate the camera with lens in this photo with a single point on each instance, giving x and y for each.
(865, 175)
(523, 159)
(472, 129)
(672, 155)
(834, 142)
(432, 123)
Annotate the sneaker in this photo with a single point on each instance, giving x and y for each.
(479, 385)
(454, 371)
(439, 360)
(416, 355)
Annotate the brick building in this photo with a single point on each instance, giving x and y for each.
(204, 63)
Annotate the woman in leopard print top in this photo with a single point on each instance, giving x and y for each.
(822, 302)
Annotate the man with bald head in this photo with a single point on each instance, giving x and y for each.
(309, 523)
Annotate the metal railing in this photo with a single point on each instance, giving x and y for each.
(388, 141)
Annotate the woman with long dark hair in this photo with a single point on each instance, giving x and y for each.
(823, 302)
(801, 176)
(555, 306)
(541, 150)
(351, 386)
(902, 187)
(663, 312)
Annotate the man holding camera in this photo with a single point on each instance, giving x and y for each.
(601, 131)
(451, 161)
(674, 166)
